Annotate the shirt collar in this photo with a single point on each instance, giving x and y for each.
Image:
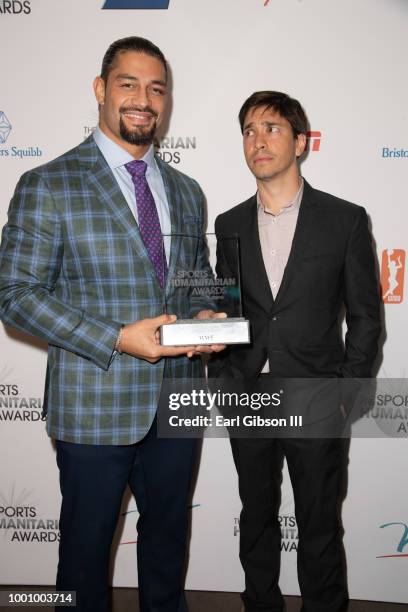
(115, 155)
(293, 205)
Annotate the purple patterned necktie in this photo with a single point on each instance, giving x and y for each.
(148, 219)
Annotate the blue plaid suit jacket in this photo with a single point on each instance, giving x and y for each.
(73, 268)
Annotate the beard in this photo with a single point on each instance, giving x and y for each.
(139, 136)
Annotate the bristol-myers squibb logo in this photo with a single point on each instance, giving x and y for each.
(136, 4)
(14, 151)
(5, 128)
(400, 531)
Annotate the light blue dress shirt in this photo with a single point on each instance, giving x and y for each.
(116, 158)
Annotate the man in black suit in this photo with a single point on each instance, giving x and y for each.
(305, 256)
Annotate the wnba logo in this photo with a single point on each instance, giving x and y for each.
(392, 276)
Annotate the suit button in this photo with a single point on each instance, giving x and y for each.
(274, 318)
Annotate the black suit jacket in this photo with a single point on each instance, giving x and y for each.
(331, 267)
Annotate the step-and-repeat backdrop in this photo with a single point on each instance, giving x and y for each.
(345, 61)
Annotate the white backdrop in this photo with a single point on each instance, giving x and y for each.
(345, 61)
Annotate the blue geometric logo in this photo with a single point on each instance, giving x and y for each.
(5, 127)
(136, 4)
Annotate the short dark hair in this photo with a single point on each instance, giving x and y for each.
(287, 107)
(131, 43)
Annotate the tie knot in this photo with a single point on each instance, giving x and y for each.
(136, 168)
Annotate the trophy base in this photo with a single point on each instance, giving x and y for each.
(192, 332)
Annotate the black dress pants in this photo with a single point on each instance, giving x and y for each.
(93, 480)
(316, 468)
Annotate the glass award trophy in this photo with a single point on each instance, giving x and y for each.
(193, 286)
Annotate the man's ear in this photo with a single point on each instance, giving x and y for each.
(300, 144)
(99, 89)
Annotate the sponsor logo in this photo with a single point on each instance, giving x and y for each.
(289, 532)
(401, 539)
(136, 4)
(5, 128)
(15, 407)
(384, 402)
(392, 276)
(122, 519)
(388, 152)
(20, 520)
(14, 151)
(15, 7)
(172, 148)
(88, 130)
(313, 140)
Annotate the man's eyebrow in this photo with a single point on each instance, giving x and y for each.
(264, 123)
(130, 77)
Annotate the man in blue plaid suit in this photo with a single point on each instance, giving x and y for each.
(76, 273)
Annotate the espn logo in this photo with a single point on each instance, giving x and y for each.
(313, 139)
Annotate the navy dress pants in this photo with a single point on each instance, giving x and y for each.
(93, 480)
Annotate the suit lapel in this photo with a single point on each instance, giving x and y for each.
(302, 237)
(107, 191)
(252, 247)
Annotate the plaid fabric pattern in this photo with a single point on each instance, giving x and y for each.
(73, 268)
